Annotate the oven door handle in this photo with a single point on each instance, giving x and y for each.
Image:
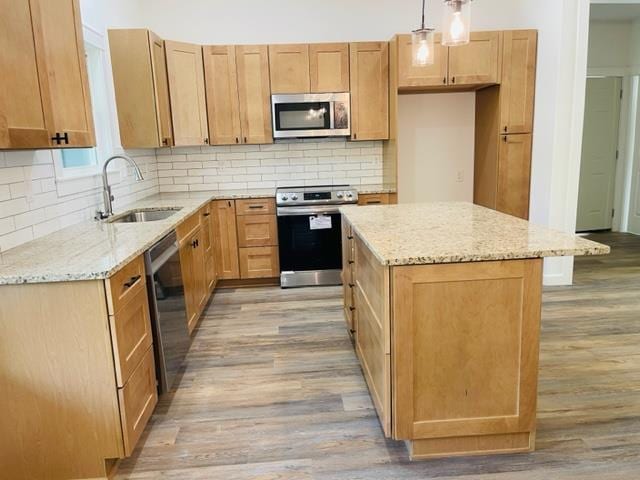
(310, 210)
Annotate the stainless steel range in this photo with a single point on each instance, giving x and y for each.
(309, 232)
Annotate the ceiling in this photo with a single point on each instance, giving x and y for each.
(615, 12)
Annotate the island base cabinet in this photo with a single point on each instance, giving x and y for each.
(465, 356)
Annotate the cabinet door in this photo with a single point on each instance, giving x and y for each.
(63, 60)
(370, 90)
(478, 62)
(517, 90)
(201, 290)
(25, 111)
(329, 67)
(224, 212)
(161, 83)
(257, 230)
(135, 90)
(259, 262)
(427, 76)
(189, 280)
(481, 322)
(289, 68)
(254, 93)
(514, 175)
(221, 81)
(373, 199)
(208, 248)
(186, 88)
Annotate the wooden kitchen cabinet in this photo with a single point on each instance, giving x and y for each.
(226, 247)
(478, 62)
(259, 262)
(254, 206)
(192, 260)
(187, 93)
(223, 104)
(348, 280)
(208, 240)
(329, 67)
(45, 100)
(373, 199)
(514, 175)
(410, 77)
(369, 90)
(254, 93)
(141, 87)
(289, 68)
(517, 91)
(138, 398)
(257, 230)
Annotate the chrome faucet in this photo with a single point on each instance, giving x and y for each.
(106, 188)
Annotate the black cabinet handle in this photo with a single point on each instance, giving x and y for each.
(206, 140)
(59, 139)
(352, 308)
(506, 129)
(453, 79)
(194, 244)
(504, 138)
(237, 140)
(245, 139)
(349, 238)
(206, 214)
(132, 281)
(229, 203)
(444, 80)
(255, 207)
(351, 262)
(375, 202)
(352, 285)
(355, 136)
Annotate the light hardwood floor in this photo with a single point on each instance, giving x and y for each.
(272, 390)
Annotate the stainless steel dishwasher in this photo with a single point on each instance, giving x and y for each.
(168, 309)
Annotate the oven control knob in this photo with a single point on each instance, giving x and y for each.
(284, 198)
(294, 197)
(349, 195)
(339, 195)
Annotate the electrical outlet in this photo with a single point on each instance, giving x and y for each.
(460, 176)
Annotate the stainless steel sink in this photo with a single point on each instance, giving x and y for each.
(143, 215)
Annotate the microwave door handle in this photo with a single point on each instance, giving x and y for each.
(332, 116)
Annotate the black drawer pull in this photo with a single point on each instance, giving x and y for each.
(255, 207)
(374, 202)
(352, 285)
(132, 281)
(351, 262)
(352, 308)
(349, 238)
(206, 214)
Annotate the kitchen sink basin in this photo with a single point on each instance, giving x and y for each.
(141, 216)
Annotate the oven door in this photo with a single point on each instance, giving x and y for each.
(311, 115)
(310, 248)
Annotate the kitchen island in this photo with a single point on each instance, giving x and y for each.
(443, 301)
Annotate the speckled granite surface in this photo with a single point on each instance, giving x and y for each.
(416, 234)
(376, 188)
(95, 250)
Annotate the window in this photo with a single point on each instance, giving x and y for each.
(81, 162)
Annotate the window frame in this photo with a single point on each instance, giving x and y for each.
(104, 146)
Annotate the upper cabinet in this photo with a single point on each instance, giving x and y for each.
(518, 81)
(289, 68)
(329, 67)
(45, 99)
(435, 75)
(186, 86)
(223, 105)
(369, 90)
(254, 93)
(478, 62)
(141, 87)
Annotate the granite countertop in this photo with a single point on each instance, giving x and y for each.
(455, 232)
(96, 250)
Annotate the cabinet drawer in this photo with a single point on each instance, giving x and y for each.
(131, 334)
(259, 262)
(137, 399)
(257, 231)
(185, 229)
(256, 206)
(125, 284)
(374, 199)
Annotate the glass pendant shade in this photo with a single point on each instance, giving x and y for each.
(456, 24)
(422, 48)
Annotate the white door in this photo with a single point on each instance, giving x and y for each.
(599, 146)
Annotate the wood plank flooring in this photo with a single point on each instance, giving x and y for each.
(272, 390)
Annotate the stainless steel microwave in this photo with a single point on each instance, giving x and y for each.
(311, 115)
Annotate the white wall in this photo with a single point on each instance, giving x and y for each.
(609, 45)
(436, 147)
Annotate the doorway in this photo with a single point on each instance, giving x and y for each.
(599, 154)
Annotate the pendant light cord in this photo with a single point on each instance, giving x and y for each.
(423, 4)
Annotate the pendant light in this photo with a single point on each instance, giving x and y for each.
(422, 48)
(456, 25)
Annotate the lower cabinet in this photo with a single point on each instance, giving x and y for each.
(226, 245)
(138, 398)
(348, 276)
(259, 262)
(374, 199)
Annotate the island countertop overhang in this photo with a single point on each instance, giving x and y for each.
(457, 232)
